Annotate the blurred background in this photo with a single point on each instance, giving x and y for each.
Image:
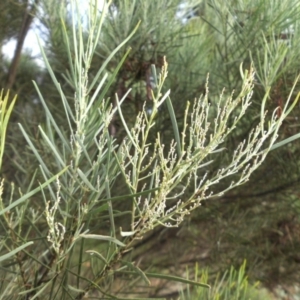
(257, 222)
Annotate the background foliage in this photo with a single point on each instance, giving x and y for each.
(258, 221)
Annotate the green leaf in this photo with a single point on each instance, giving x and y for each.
(285, 141)
(4, 118)
(174, 125)
(40, 289)
(112, 54)
(99, 209)
(138, 271)
(99, 255)
(177, 279)
(13, 252)
(170, 278)
(30, 194)
(102, 238)
(85, 180)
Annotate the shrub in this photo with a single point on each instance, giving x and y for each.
(82, 239)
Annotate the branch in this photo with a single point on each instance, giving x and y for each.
(27, 20)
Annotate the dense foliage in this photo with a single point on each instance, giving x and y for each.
(142, 136)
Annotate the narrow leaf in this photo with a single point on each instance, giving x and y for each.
(138, 271)
(99, 255)
(178, 279)
(102, 238)
(13, 252)
(30, 194)
(174, 125)
(85, 180)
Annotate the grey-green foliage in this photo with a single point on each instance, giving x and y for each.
(217, 39)
(82, 233)
(10, 220)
